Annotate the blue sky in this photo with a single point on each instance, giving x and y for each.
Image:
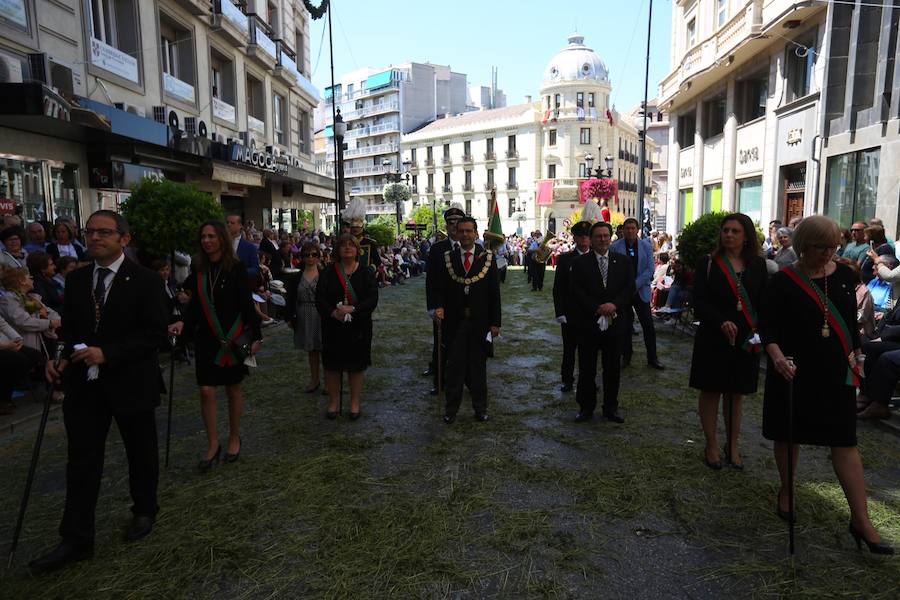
(518, 37)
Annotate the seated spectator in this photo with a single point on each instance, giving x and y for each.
(16, 361)
(12, 254)
(64, 243)
(785, 256)
(64, 266)
(874, 236)
(42, 270)
(24, 312)
(37, 237)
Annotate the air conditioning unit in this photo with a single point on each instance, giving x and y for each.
(248, 139)
(218, 137)
(134, 109)
(10, 69)
(51, 74)
(190, 126)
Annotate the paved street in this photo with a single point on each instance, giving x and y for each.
(400, 505)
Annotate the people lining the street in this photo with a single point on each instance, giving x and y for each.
(225, 329)
(25, 312)
(13, 254)
(728, 290)
(878, 246)
(64, 242)
(301, 313)
(43, 270)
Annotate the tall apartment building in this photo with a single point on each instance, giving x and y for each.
(534, 153)
(744, 103)
(96, 94)
(380, 105)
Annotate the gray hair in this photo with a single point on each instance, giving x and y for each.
(785, 231)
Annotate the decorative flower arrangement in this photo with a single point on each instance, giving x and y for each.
(395, 192)
(604, 188)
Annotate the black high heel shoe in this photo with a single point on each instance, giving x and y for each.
(207, 463)
(715, 466)
(311, 390)
(874, 547)
(230, 458)
(737, 466)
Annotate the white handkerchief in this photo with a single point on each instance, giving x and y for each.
(603, 322)
(250, 361)
(755, 339)
(94, 371)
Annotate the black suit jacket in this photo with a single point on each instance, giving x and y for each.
(563, 304)
(483, 299)
(132, 327)
(588, 291)
(271, 249)
(434, 271)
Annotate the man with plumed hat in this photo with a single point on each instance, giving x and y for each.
(566, 313)
(354, 217)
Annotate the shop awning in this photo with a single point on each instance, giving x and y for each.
(378, 80)
(237, 176)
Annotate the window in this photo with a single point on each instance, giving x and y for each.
(721, 11)
(714, 117)
(446, 180)
(278, 118)
(712, 198)
(691, 33)
(490, 146)
(272, 18)
(867, 59)
(430, 182)
(590, 99)
(256, 104)
(551, 171)
(467, 148)
(547, 98)
(415, 183)
(579, 99)
(15, 15)
(583, 170)
(851, 184)
(799, 68)
(303, 138)
(429, 154)
(686, 206)
(751, 96)
(687, 127)
(511, 142)
(412, 155)
(446, 151)
(750, 198)
(512, 176)
(468, 206)
(551, 137)
(584, 136)
(299, 49)
(556, 100)
(114, 23)
(511, 209)
(223, 85)
(490, 178)
(468, 181)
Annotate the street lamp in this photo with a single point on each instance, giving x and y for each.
(340, 130)
(396, 177)
(599, 173)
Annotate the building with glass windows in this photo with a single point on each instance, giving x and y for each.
(96, 94)
(743, 98)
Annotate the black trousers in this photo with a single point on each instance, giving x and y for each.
(876, 385)
(434, 356)
(591, 344)
(15, 367)
(646, 320)
(466, 364)
(87, 419)
(502, 273)
(537, 271)
(570, 345)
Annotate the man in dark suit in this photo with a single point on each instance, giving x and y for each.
(602, 287)
(433, 276)
(244, 250)
(468, 305)
(114, 318)
(566, 313)
(269, 245)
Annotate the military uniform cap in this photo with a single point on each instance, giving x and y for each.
(454, 212)
(581, 228)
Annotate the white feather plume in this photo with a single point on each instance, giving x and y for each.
(591, 212)
(356, 209)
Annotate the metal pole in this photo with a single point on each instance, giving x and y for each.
(338, 146)
(790, 461)
(642, 162)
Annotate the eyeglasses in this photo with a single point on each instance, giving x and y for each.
(309, 255)
(103, 232)
(823, 247)
(857, 230)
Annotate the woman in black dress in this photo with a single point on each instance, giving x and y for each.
(220, 309)
(346, 290)
(725, 363)
(823, 340)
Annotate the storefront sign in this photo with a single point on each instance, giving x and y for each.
(114, 60)
(14, 12)
(223, 110)
(751, 155)
(178, 88)
(687, 172)
(7, 206)
(257, 158)
(119, 175)
(794, 136)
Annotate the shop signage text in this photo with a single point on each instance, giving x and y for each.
(794, 136)
(258, 158)
(687, 172)
(750, 155)
(114, 60)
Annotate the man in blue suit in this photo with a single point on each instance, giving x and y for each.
(640, 255)
(245, 251)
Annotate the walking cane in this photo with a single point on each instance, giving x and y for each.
(728, 432)
(172, 341)
(341, 396)
(35, 454)
(790, 460)
(440, 365)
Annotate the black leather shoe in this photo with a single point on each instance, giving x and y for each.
(582, 417)
(614, 416)
(566, 387)
(230, 458)
(626, 361)
(140, 527)
(331, 415)
(207, 463)
(427, 372)
(656, 365)
(449, 419)
(481, 417)
(67, 552)
(433, 391)
(354, 415)
(874, 547)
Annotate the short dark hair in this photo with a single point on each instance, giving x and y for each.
(775, 222)
(601, 224)
(14, 231)
(663, 257)
(468, 220)
(875, 233)
(631, 220)
(37, 261)
(121, 224)
(235, 214)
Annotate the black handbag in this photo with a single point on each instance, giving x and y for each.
(241, 345)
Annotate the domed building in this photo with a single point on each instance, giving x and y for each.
(535, 155)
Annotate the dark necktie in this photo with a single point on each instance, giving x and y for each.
(604, 268)
(467, 264)
(100, 288)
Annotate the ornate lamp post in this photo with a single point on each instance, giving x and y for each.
(599, 173)
(396, 177)
(340, 130)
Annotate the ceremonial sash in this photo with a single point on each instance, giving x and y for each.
(224, 357)
(835, 321)
(740, 293)
(349, 293)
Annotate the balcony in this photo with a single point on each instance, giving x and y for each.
(413, 164)
(467, 159)
(512, 185)
(261, 46)
(366, 170)
(413, 189)
(512, 154)
(256, 125)
(286, 66)
(446, 161)
(392, 86)
(447, 189)
(359, 132)
(429, 189)
(195, 7)
(223, 110)
(367, 190)
(230, 22)
(374, 109)
(467, 187)
(429, 163)
(360, 151)
(489, 186)
(178, 89)
(490, 156)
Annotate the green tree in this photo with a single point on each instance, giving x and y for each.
(164, 216)
(698, 238)
(423, 214)
(383, 229)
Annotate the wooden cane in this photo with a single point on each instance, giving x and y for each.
(790, 460)
(172, 341)
(440, 366)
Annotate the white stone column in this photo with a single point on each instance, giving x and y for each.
(672, 212)
(698, 162)
(729, 150)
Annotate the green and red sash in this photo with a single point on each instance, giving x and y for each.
(225, 357)
(835, 321)
(740, 293)
(350, 296)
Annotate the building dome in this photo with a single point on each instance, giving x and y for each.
(575, 62)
